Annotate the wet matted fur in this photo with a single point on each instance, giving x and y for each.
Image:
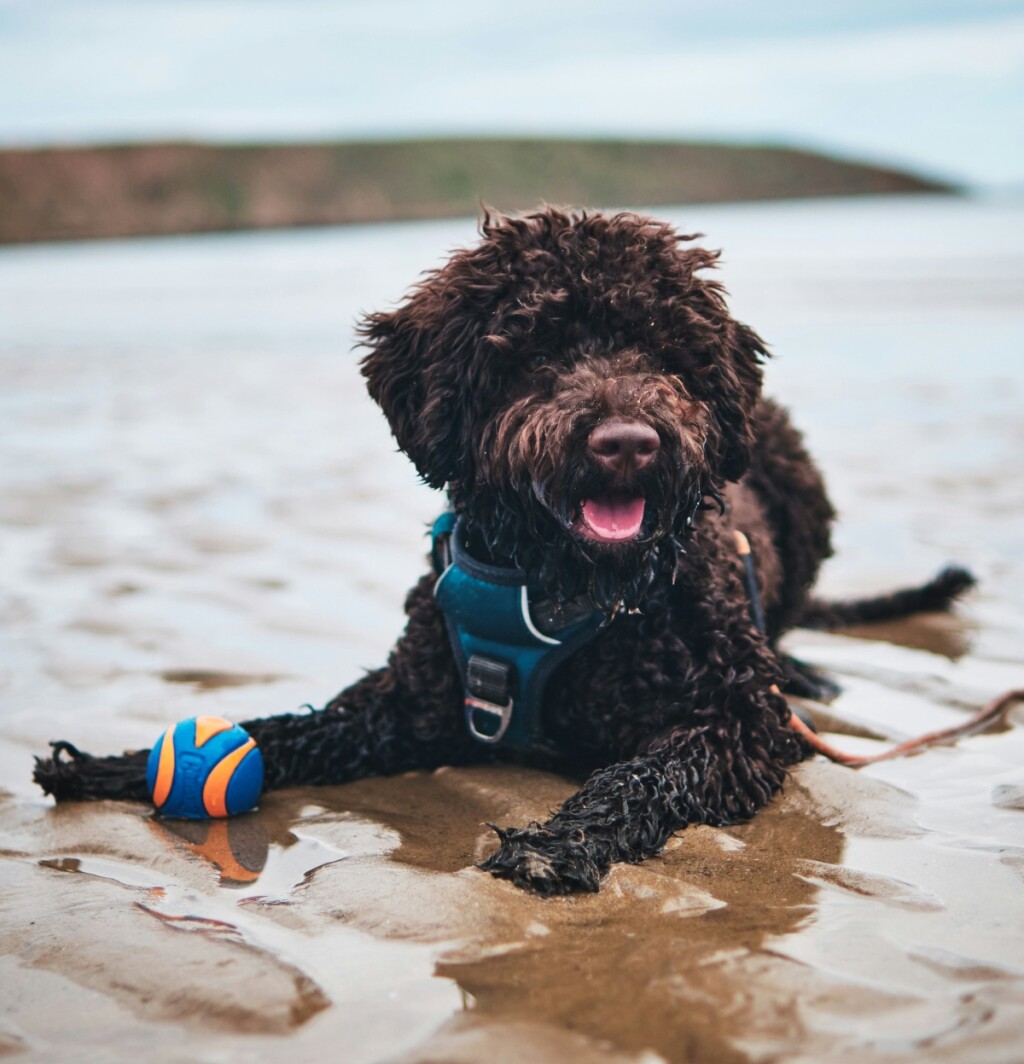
(577, 384)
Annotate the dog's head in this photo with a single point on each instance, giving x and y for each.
(578, 387)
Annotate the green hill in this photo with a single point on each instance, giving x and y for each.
(143, 189)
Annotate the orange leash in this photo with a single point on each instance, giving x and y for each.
(989, 714)
(995, 710)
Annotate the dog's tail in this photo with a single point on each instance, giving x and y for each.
(938, 594)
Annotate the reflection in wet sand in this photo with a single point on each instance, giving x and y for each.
(211, 679)
(237, 847)
(202, 513)
(671, 956)
(938, 633)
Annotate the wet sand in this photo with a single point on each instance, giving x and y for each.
(200, 512)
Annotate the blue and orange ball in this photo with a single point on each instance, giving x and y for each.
(204, 767)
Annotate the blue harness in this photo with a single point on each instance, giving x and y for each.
(504, 658)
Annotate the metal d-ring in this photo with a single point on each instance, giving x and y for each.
(503, 713)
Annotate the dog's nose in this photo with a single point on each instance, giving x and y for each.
(623, 446)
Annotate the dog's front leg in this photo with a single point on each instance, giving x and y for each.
(407, 715)
(376, 727)
(690, 775)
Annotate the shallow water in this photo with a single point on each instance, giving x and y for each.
(202, 513)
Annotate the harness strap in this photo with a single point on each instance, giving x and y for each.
(750, 579)
(503, 657)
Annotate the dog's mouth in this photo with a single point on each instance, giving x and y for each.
(611, 518)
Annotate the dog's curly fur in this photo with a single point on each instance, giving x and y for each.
(493, 374)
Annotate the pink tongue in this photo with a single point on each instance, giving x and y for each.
(613, 519)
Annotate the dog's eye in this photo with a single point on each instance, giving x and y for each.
(537, 362)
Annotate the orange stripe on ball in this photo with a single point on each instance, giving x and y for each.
(215, 792)
(165, 769)
(208, 727)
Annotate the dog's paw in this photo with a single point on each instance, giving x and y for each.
(544, 861)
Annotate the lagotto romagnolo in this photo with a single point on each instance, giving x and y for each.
(577, 385)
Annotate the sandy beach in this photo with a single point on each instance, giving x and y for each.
(202, 512)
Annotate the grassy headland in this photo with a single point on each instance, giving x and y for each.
(147, 189)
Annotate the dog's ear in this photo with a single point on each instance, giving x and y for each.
(400, 345)
(421, 358)
(724, 356)
(737, 392)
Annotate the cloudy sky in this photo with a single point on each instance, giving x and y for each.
(938, 86)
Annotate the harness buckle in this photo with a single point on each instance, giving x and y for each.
(488, 697)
